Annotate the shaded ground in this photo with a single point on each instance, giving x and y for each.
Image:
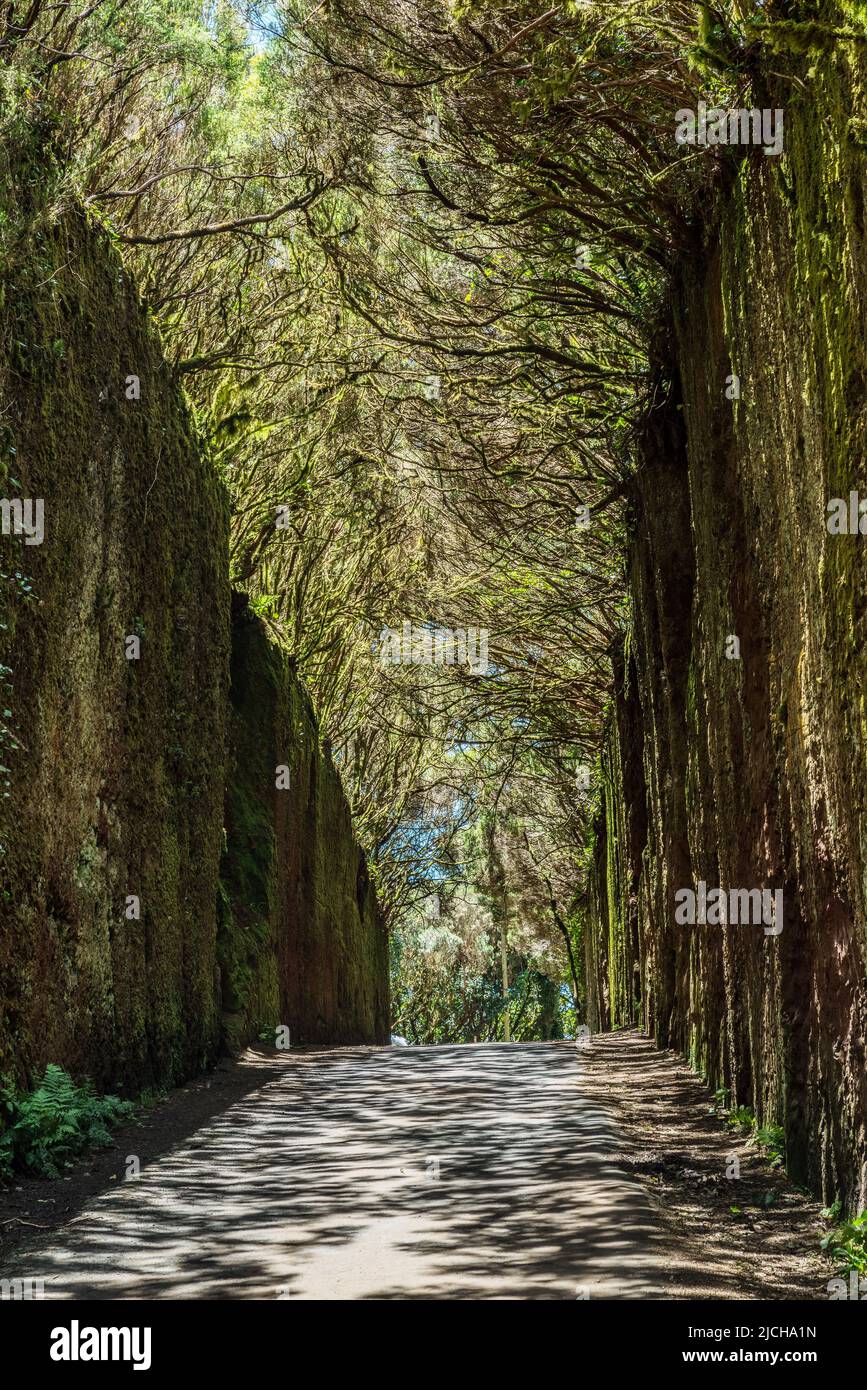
(495, 1171)
(768, 1248)
(29, 1207)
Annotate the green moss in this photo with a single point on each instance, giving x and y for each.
(606, 938)
(117, 774)
(113, 791)
(807, 37)
(300, 941)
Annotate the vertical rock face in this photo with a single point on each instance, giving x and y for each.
(301, 940)
(114, 721)
(754, 766)
(114, 793)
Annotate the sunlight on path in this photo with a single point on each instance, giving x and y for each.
(441, 1172)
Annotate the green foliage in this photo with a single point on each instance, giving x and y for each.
(446, 984)
(305, 326)
(45, 1130)
(313, 261)
(790, 36)
(715, 52)
(847, 1242)
(265, 606)
(742, 1119)
(769, 1138)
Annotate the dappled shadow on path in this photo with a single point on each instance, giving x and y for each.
(741, 1229)
(443, 1172)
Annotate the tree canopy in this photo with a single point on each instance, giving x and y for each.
(409, 262)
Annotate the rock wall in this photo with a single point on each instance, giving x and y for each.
(113, 793)
(748, 769)
(115, 715)
(301, 943)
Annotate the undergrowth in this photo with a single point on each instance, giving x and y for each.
(45, 1130)
(847, 1242)
(769, 1139)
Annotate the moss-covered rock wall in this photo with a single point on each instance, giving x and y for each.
(301, 942)
(754, 761)
(117, 729)
(113, 793)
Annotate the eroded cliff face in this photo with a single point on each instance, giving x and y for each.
(116, 715)
(114, 793)
(302, 943)
(753, 756)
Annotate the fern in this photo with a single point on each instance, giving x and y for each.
(771, 1139)
(43, 1132)
(742, 1118)
(847, 1243)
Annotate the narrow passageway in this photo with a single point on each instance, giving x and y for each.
(521, 1171)
(436, 1172)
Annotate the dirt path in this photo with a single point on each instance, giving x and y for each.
(451, 1172)
(755, 1236)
